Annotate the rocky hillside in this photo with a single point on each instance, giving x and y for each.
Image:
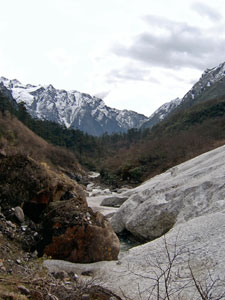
(44, 212)
(72, 108)
(52, 211)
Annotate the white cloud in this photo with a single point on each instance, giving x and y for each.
(207, 11)
(102, 94)
(105, 48)
(172, 44)
(61, 58)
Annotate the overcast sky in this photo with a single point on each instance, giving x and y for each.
(135, 54)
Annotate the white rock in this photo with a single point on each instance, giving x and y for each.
(90, 187)
(192, 189)
(19, 214)
(95, 204)
(200, 242)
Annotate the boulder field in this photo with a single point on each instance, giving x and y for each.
(180, 215)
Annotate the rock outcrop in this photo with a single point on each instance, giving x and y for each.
(52, 211)
(32, 185)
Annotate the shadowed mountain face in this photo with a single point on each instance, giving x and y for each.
(73, 109)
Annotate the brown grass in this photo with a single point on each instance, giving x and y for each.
(17, 138)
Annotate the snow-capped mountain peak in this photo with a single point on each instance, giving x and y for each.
(162, 112)
(72, 108)
(167, 107)
(90, 114)
(208, 78)
(211, 85)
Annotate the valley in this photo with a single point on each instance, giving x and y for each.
(92, 213)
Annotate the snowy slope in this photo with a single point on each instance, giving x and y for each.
(162, 112)
(72, 108)
(209, 78)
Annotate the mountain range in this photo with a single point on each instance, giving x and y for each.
(73, 109)
(76, 110)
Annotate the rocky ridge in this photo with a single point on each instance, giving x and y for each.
(209, 78)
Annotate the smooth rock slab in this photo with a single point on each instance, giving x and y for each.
(199, 242)
(194, 188)
(95, 204)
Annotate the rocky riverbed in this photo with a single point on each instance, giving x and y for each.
(107, 202)
(180, 215)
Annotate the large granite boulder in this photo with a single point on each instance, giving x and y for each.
(194, 188)
(73, 232)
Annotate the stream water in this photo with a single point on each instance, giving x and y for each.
(126, 244)
(95, 196)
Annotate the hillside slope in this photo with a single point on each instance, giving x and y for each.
(15, 137)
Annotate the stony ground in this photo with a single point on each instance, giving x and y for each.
(22, 275)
